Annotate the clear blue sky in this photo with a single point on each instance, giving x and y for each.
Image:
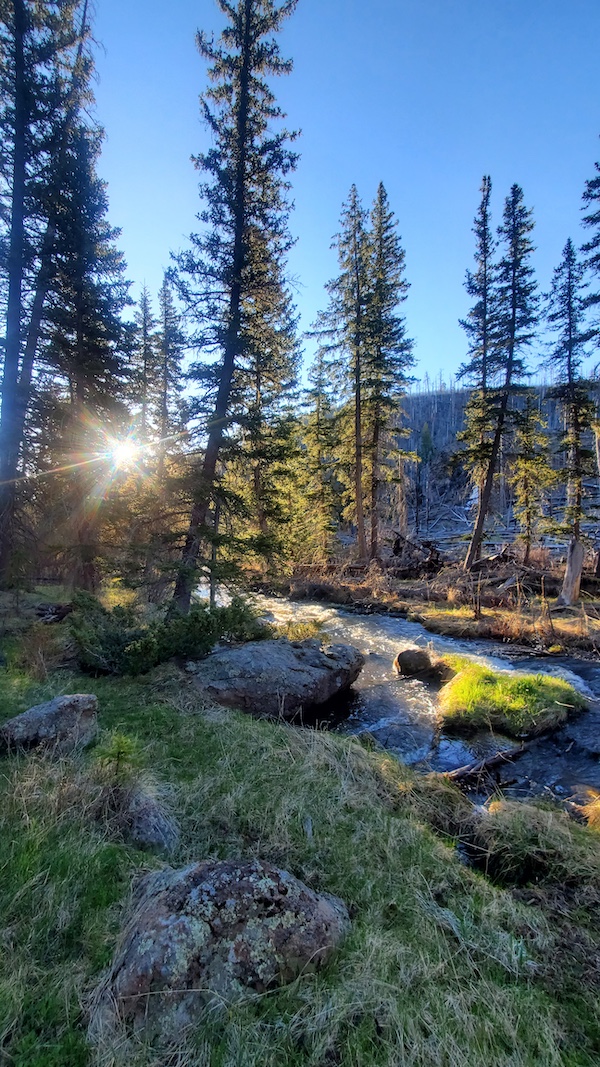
(424, 95)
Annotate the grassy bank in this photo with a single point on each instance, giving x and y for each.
(520, 705)
(443, 965)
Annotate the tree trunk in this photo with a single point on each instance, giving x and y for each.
(572, 580)
(486, 491)
(375, 489)
(9, 432)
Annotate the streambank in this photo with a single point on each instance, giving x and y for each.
(400, 715)
(501, 607)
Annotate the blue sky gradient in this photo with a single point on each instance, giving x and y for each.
(424, 95)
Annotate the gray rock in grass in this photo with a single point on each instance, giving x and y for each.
(63, 724)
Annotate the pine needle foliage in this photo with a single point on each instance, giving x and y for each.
(232, 279)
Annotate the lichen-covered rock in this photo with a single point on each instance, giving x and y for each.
(278, 678)
(213, 933)
(148, 824)
(62, 724)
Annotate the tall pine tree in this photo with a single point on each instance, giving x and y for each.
(237, 262)
(566, 316)
(88, 343)
(479, 372)
(342, 329)
(388, 349)
(44, 79)
(516, 317)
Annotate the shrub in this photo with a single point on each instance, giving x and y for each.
(102, 637)
(116, 642)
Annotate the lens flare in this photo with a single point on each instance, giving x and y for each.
(124, 454)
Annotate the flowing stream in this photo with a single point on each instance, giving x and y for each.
(401, 713)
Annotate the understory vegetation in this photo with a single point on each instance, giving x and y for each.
(492, 963)
(118, 641)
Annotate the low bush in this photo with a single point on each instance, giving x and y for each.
(116, 641)
(521, 705)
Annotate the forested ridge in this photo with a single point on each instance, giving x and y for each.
(173, 440)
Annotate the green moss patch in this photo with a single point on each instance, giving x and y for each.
(521, 705)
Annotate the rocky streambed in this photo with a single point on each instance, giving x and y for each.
(401, 714)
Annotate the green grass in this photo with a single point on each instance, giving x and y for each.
(521, 705)
(442, 967)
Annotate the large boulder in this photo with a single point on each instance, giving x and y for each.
(278, 678)
(62, 724)
(213, 933)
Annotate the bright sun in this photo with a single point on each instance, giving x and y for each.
(123, 454)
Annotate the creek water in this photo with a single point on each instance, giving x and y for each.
(401, 713)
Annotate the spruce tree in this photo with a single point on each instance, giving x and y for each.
(146, 361)
(388, 350)
(169, 381)
(591, 248)
(44, 79)
(236, 264)
(530, 471)
(479, 372)
(515, 320)
(566, 316)
(318, 491)
(342, 329)
(88, 343)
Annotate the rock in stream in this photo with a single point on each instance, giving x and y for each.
(279, 678)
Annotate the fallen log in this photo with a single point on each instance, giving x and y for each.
(482, 766)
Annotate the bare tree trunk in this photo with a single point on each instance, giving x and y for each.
(486, 490)
(572, 580)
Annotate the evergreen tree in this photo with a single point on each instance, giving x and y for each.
(566, 312)
(531, 475)
(44, 78)
(236, 265)
(343, 329)
(262, 438)
(87, 341)
(318, 490)
(480, 370)
(388, 351)
(170, 407)
(591, 204)
(515, 320)
(147, 361)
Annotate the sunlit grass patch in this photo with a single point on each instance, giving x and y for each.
(521, 705)
(298, 630)
(516, 844)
